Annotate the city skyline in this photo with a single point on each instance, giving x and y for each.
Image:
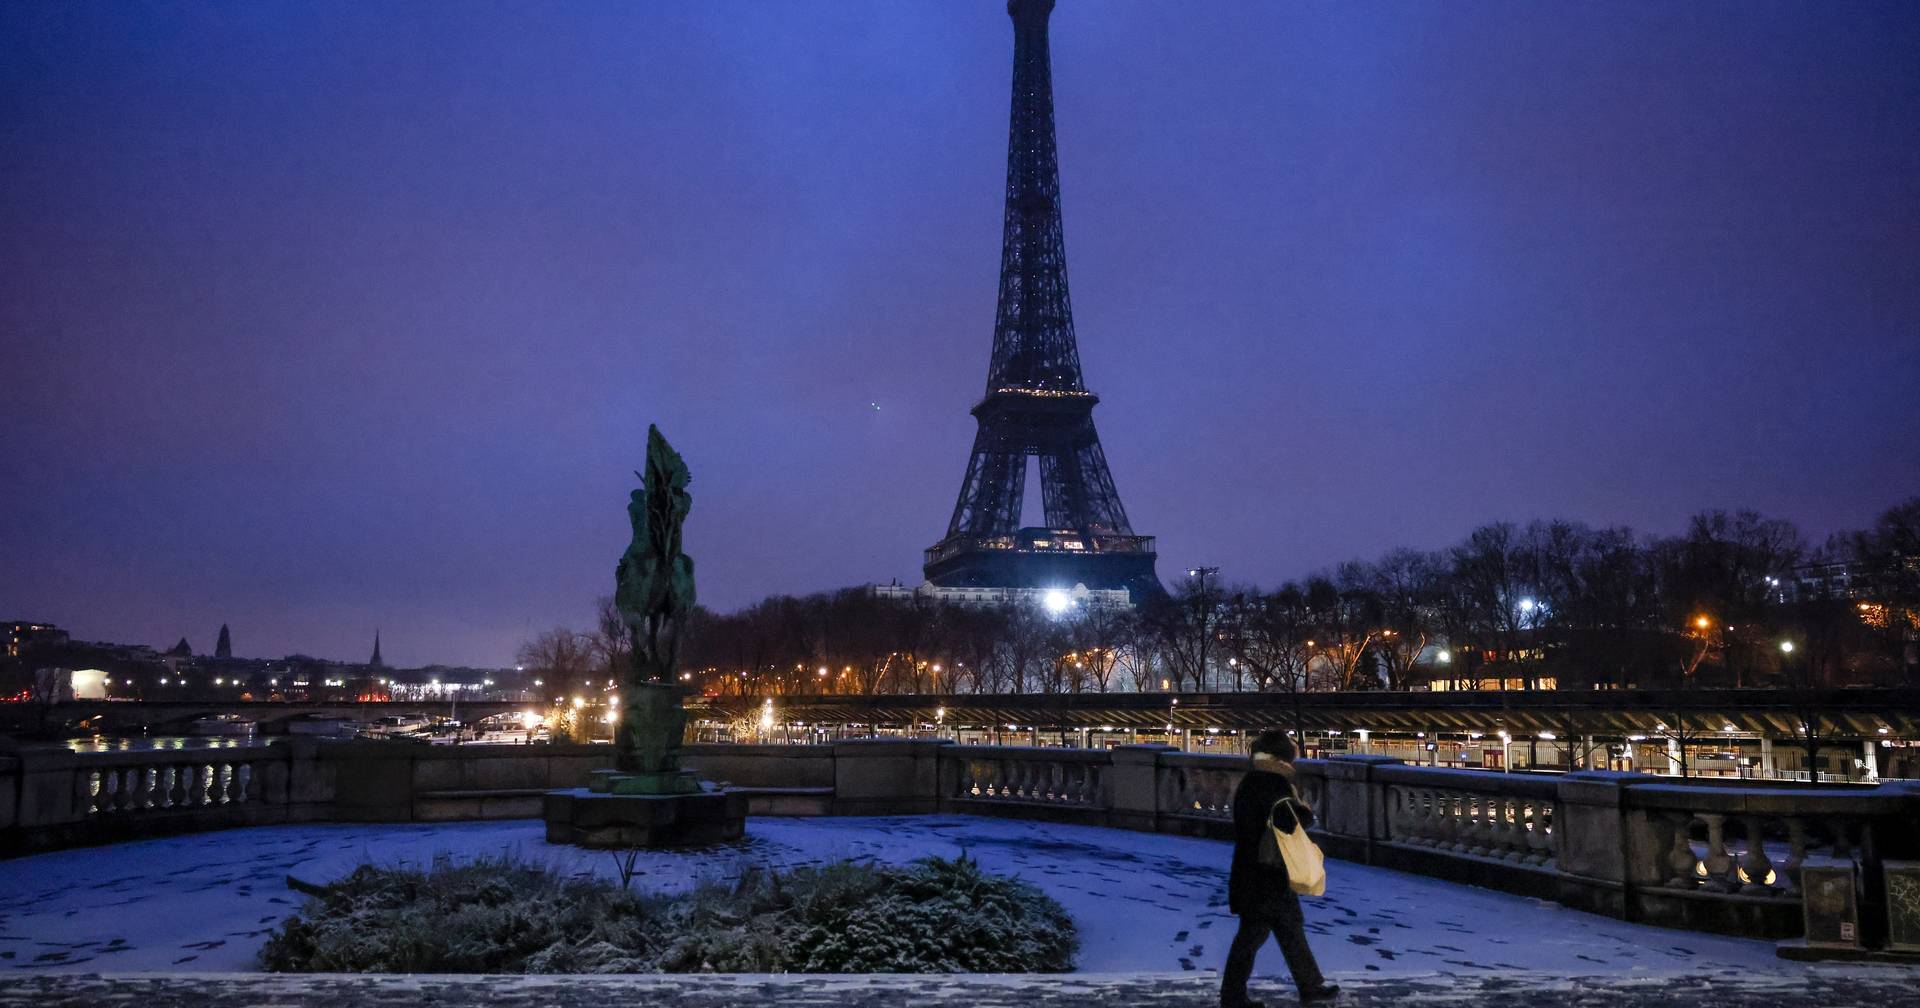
(323, 320)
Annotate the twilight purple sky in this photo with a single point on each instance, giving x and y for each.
(323, 317)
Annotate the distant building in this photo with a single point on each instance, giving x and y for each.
(1839, 579)
(1054, 599)
(224, 647)
(24, 636)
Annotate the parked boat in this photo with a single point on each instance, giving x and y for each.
(221, 724)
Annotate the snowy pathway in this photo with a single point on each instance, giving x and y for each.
(1144, 902)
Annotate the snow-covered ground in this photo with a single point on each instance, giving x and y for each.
(1144, 902)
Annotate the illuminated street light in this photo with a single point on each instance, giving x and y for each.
(1786, 647)
(1443, 657)
(1056, 601)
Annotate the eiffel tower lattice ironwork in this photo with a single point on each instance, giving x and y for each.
(1036, 402)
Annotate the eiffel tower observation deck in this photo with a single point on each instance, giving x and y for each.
(1036, 402)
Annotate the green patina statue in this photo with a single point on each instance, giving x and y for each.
(654, 594)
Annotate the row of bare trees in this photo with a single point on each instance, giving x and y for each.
(1549, 603)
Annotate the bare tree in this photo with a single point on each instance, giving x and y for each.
(565, 659)
(611, 639)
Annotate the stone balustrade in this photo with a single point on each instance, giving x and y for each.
(1700, 853)
(1067, 778)
(1481, 815)
(160, 783)
(1707, 856)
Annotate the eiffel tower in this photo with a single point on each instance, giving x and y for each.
(1036, 402)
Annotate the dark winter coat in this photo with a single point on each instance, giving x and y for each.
(1253, 888)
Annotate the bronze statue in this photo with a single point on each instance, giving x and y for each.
(654, 594)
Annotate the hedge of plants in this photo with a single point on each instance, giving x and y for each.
(503, 916)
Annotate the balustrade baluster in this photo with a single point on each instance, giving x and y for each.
(1479, 824)
(1504, 845)
(1719, 863)
(1519, 837)
(1539, 832)
(1796, 853)
(1681, 862)
(1755, 863)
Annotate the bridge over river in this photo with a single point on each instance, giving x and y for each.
(1846, 714)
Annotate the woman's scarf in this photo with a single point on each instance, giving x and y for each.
(1270, 763)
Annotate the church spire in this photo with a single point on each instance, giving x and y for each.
(223, 648)
(376, 662)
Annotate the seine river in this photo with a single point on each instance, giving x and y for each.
(138, 743)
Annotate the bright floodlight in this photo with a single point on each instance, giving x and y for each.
(1786, 646)
(1056, 601)
(1444, 657)
(1526, 605)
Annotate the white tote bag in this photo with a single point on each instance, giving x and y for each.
(1306, 865)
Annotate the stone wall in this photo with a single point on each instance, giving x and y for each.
(1704, 856)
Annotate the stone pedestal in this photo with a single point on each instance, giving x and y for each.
(1830, 898)
(664, 782)
(617, 821)
(1133, 782)
(887, 776)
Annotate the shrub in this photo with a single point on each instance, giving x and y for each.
(495, 916)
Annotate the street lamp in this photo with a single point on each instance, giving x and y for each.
(1056, 601)
(1201, 574)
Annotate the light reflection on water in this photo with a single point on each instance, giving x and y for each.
(142, 743)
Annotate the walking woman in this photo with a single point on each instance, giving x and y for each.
(1259, 893)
